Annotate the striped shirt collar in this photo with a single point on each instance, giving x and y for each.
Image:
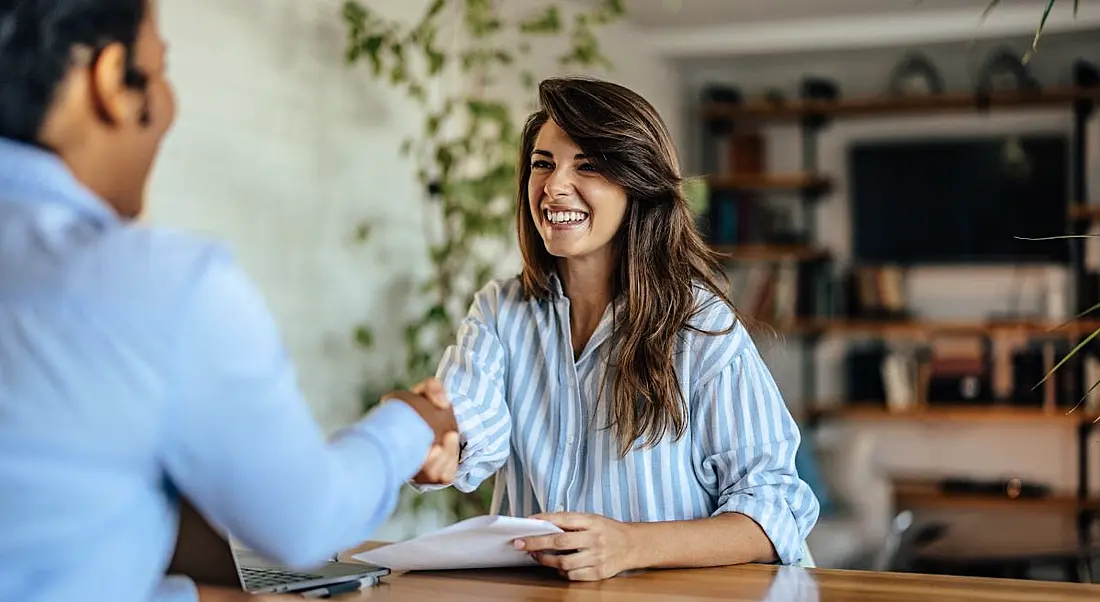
(557, 293)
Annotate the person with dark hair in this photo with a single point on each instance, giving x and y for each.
(138, 365)
(611, 386)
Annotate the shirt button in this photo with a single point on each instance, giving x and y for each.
(561, 508)
(571, 439)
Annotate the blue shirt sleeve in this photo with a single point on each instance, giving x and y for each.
(176, 588)
(747, 443)
(472, 372)
(244, 448)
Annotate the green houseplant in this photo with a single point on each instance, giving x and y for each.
(466, 151)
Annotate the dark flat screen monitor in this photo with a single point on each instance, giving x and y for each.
(960, 200)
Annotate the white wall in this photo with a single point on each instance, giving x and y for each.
(281, 149)
(1045, 452)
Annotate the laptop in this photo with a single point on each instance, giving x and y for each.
(208, 558)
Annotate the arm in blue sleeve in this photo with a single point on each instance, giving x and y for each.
(472, 371)
(176, 588)
(244, 448)
(748, 443)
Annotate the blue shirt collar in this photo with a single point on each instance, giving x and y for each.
(554, 284)
(29, 174)
(557, 292)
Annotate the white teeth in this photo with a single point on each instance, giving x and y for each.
(565, 217)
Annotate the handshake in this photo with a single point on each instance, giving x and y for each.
(429, 399)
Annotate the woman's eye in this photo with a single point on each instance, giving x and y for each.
(541, 165)
(588, 167)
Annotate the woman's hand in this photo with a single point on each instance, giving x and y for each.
(592, 548)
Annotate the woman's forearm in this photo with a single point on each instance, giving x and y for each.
(726, 539)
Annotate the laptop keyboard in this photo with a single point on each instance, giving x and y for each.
(258, 578)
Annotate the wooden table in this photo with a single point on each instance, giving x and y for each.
(746, 583)
(731, 584)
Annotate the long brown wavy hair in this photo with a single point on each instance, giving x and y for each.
(662, 259)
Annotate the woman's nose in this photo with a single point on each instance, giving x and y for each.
(559, 184)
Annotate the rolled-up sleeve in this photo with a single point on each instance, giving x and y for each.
(472, 371)
(747, 440)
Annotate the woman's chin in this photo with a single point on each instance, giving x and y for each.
(560, 250)
(567, 252)
(570, 245)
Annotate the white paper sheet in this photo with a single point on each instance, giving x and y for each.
(476, 543)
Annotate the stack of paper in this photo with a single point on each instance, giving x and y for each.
(476, 543)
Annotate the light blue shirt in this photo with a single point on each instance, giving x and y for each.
(135, 362)
(526, 408)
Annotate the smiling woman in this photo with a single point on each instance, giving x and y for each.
(580, 209)
(611, 382)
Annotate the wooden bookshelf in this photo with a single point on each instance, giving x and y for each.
(811, 116)
(1084, 212)
(932, 327)
(883, 105)
(976, 413)
(986, 539)
(927, 494)
(766, 252)
(769, 182)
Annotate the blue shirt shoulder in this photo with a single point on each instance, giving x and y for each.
(139, 364)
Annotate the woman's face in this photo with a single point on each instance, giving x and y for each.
(575, 208)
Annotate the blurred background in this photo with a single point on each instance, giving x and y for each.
(868, 167)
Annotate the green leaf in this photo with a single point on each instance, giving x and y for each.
(483, 275)
(437, 313)
(445, 160)
(549, 22)
(989, 9)
(615, 8)
(362, 232)
(372, 46)
(437, 254)
(435, 8)
(436, 61)
(1083, 398)
(1059, 237)
(364, 337)
(527, 79)
(412, 335)
(1077, 317)
(1068, 356)
(354, 12)
(398, 75)
(1038, 33)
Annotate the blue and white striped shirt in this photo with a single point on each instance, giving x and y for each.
(523, 405)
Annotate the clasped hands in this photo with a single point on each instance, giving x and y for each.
(430, 401)
(592, 548)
